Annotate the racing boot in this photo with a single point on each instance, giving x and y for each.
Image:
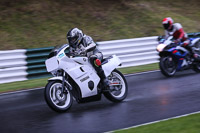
(104, 80)
(98, 67)
(105, 84)
(189, 59)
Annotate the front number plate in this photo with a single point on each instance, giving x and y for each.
(51, 64)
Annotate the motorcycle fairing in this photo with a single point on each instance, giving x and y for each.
(194, 40)
(180, 56)
(83, 74)
(79, 70)
(51, 64)
(112, 63)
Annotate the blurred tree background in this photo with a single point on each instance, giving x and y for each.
(42, 23)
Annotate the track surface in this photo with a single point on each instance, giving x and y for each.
(151, 97)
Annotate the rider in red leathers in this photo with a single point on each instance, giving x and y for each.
(176, 30)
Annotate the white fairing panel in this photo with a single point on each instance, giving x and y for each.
(86, 92)
(195, 40)
(51, 64)
(56, 78)
(111, 65)
(82, 74)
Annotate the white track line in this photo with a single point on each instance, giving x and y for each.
(158, 121)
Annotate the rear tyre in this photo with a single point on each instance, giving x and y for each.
(56, 100)
(167, 66)
(118, 89)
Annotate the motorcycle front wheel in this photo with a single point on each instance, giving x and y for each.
(55, 98)
(118, 88)
(167, 66)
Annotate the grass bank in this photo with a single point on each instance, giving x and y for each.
(34, 24)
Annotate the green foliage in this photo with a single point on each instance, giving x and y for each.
(22, 85)
(33, 24)
(142, 68)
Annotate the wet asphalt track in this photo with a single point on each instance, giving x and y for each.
(151, 97)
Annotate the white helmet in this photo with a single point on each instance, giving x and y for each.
(74, 37)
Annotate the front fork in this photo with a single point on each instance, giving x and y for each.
(65, 83)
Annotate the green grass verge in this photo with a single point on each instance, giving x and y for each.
(141, 68)
(187, 124)
(7, 87)
(22, 85)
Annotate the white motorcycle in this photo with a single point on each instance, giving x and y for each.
(75, 78)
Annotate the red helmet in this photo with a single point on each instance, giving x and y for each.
(167, 23)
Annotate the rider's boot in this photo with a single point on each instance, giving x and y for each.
(188, 59)
(98, 67)
(105, 83)
(104, 80)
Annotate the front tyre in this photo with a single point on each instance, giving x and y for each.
(167, 66)
(56, 100)
(118, 89)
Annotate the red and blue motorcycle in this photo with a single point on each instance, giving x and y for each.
(175, 58)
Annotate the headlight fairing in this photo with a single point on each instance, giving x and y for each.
(160, 47)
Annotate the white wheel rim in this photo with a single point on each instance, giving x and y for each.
(56, 99)
(122, 91)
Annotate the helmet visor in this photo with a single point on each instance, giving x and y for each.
(166, 26)
(73, 40)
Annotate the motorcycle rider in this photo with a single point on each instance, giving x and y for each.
(176, 30)
(82, 44)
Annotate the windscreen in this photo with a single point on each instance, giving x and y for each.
(57, 49)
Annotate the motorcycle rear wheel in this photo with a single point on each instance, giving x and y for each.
(167, 66)
(118, 87)
(55, 99)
